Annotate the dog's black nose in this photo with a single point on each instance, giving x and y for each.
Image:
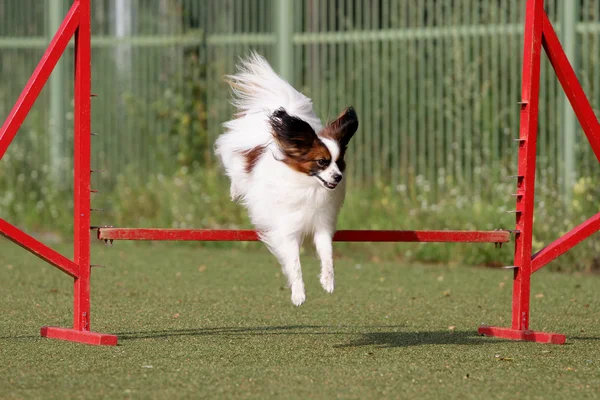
(337, 177)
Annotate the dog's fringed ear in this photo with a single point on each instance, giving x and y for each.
(295, 137)
(343, 128)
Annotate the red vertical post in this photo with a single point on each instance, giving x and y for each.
(527, 159)
(82, 173)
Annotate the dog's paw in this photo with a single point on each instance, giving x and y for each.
(298, 294)
(328, 282)
(298, 298)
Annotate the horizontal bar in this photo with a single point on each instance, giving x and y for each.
(586, 27)
(38, 79)
(361, 36)
(340, 236)
(515, 334)
(73, 335)
(107, 41)
(202, 235)
(357, 36)
(423, 236)
(38, 249)
(565, 243)
(40, 42)
(148, 40)
(241, 38)
(23, 42)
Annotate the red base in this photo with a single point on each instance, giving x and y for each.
(73, 335)
(515, 334)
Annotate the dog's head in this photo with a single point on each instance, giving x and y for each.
(320, 156)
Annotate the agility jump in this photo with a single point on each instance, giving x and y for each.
(538, 32)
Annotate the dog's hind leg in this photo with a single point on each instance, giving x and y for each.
(287, 252)
(323, 243)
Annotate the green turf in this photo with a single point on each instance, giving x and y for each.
(218, 323)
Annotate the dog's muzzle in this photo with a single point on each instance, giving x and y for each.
(328, 185)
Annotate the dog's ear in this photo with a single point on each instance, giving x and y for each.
(343, 128)
(295, 137)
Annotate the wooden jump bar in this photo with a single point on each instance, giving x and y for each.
(218, 235)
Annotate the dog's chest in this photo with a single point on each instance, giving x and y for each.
(316, 205)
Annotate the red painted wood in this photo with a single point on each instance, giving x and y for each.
(566, 242)
(340, 236)
(447, 236)
(38, 78)
(39, 249)
(207, 235)
(73, 335)
(571, 86)
(81, 191)
(526, 168)
(527, 335)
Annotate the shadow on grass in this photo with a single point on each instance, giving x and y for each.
(379, 336)
(253, 331)
(406, 339)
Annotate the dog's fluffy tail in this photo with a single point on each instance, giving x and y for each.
(257, 89)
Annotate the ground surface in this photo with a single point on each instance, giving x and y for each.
(218, 323)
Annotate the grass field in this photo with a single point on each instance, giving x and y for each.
(218, 323)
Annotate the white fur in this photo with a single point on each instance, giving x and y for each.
(283, 204)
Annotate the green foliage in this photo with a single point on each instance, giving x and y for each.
(28, 197)
(179, 111)
(187, 199)
(183, 108)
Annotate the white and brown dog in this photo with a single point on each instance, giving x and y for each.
(285, 167)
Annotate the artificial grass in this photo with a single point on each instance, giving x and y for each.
(199, 322)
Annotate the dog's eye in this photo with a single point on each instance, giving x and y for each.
(322, 162)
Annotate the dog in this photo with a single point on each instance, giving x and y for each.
(285, 167)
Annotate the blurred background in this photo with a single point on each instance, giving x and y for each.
(435, 83)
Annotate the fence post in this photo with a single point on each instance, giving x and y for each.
(56, 119)
(569, 40)
(284, 25)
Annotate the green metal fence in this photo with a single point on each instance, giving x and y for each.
(435, 83)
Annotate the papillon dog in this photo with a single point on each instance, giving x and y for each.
(285, 167)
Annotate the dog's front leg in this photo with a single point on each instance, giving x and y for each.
(288, 253)
(323, 243)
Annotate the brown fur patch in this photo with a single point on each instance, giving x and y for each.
(307, 162)
(252, 156)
